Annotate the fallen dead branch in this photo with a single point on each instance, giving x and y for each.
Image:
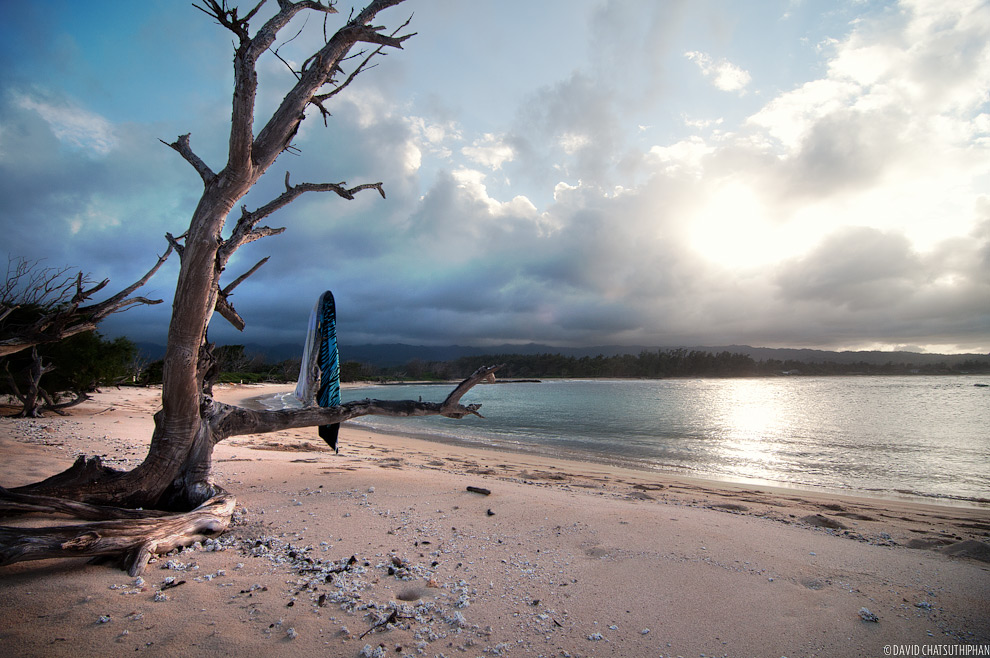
(132, 540)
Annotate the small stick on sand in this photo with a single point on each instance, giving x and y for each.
(391, 619)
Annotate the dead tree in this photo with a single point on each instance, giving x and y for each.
(43, 305)
(58, 301)
(175, 475)
(32, 397)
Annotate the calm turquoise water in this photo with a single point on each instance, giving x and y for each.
(886, 436)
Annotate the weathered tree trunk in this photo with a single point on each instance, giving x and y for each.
(175, 475)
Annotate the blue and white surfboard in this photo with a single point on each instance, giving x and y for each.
(328, 395)
(319, 372)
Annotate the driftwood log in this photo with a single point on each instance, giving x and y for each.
(132, 540)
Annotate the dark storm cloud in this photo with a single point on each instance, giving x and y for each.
(864, 281)
(859, 268)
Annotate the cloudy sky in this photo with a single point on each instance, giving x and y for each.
(787, 173)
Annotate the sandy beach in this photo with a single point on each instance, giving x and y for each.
(382, 550)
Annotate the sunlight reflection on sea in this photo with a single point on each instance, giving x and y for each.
(879, 436)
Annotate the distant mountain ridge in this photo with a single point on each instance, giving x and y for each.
(393, 354)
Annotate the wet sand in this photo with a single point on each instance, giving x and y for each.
(383, 550)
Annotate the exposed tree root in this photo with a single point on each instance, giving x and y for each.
(13, 502)
(132, 540)
(87, 481)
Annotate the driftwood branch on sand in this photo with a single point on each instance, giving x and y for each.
(131, 540)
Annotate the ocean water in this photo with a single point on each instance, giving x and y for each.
(926, 437)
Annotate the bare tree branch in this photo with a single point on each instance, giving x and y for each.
(181, 146)
(225, 308)
(372, 10)
(228, 420)
(82, 295)
(452, 404)
(26, 282)
(229, 313)
(319, 99)
(245, 231)
(173, 242)
(71, 319)
(261, 232)
(274, 51)
(284, 122)
(236, 282)
(245, 58)
(99, 311)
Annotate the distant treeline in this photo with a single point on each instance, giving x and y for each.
(237, 366)
(651, 365)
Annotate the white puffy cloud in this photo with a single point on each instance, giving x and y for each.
(436, 137)
(572, 142)
(490, 151)
(724, 74)
(686, 155)
(791, 116)
(472, 182)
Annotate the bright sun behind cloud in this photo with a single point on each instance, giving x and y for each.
(731, 229)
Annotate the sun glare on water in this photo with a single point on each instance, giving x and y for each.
(751, 415)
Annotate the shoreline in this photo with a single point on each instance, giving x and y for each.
(561, 558)
(710, 480)
(595, 459)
